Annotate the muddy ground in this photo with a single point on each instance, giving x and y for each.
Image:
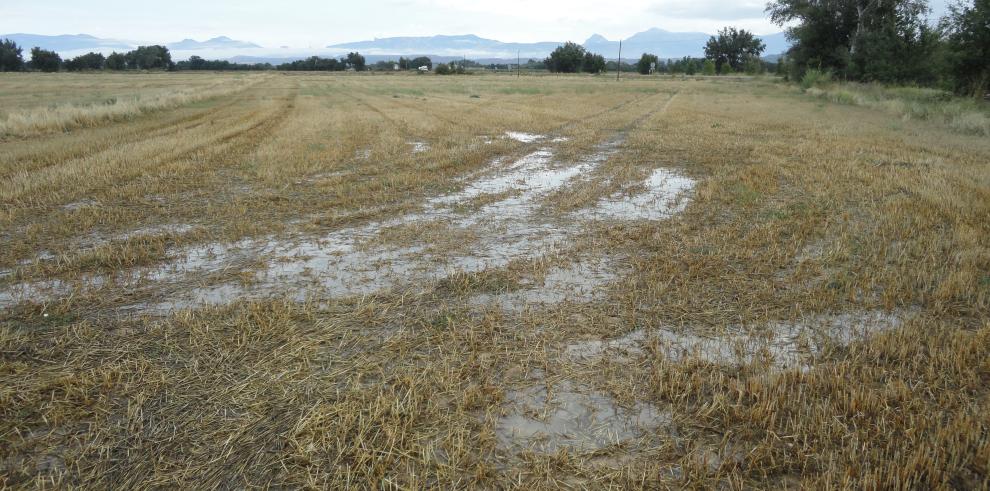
(306, 280)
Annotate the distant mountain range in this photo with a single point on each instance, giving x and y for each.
(77, 42)
(65, 42)
(663, 43)
(221, 42)
(466, 45)
(666, 44)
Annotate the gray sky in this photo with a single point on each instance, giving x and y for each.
(312, 23)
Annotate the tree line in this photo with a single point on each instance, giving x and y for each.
(886, 41)
(889, 41)
(154, 57)
(353, 61)
(142, 58)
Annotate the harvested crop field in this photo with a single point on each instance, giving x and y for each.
(314, 280)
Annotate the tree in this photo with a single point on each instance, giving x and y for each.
(967, 39)
(196, 63)
(421, 61)
(88, 61)
(687, 65)
(568, 58)
(885, 40)
(149, 58)
(314, 64)
(731, 48)
(116, 61)
(753, 65)
(355, 61)
(647, 63)
(893, 43)
(44, 60)
(11, 59)
(593, 63)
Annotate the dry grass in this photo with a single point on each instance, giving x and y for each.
(803, 210)
(63, 116)
(961, 114)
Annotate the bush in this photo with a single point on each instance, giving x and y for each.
(450, 69)
(960, 114)
(708, 68)
(814, 77)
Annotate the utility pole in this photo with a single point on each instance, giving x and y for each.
(618, 67)
(518, 64)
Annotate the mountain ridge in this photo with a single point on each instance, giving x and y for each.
(219, 42)
(666, 44)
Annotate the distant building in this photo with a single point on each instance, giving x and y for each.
(395, 67)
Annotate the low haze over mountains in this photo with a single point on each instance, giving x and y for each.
(222, 42)
(666, 44)
(65, 42)
(81, 42)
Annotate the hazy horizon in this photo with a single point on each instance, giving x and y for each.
(311, 24)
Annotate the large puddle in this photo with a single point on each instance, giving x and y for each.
(665, 195)
(498, 216)
(545, 418)
(781, 345)
(582, 281)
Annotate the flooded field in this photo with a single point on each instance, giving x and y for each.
(310, 280)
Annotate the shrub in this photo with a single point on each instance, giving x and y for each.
(708, 68)
(814, 77)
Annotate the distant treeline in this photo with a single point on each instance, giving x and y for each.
(890, 42)
(198, 63)
(142, 58)
(568, 58)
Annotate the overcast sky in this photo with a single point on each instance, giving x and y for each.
(314, 23)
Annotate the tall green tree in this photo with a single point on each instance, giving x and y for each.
(967, 39)
(593, 63)
(732, 47)
(149, 58)
(421, 61)
(116, 61)
(568, 58)
(88, 61)
(355, 61)
(893, 43)
(11, 58)
(45, 60)
(686, 65)
(648, 62)
(882, 40)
